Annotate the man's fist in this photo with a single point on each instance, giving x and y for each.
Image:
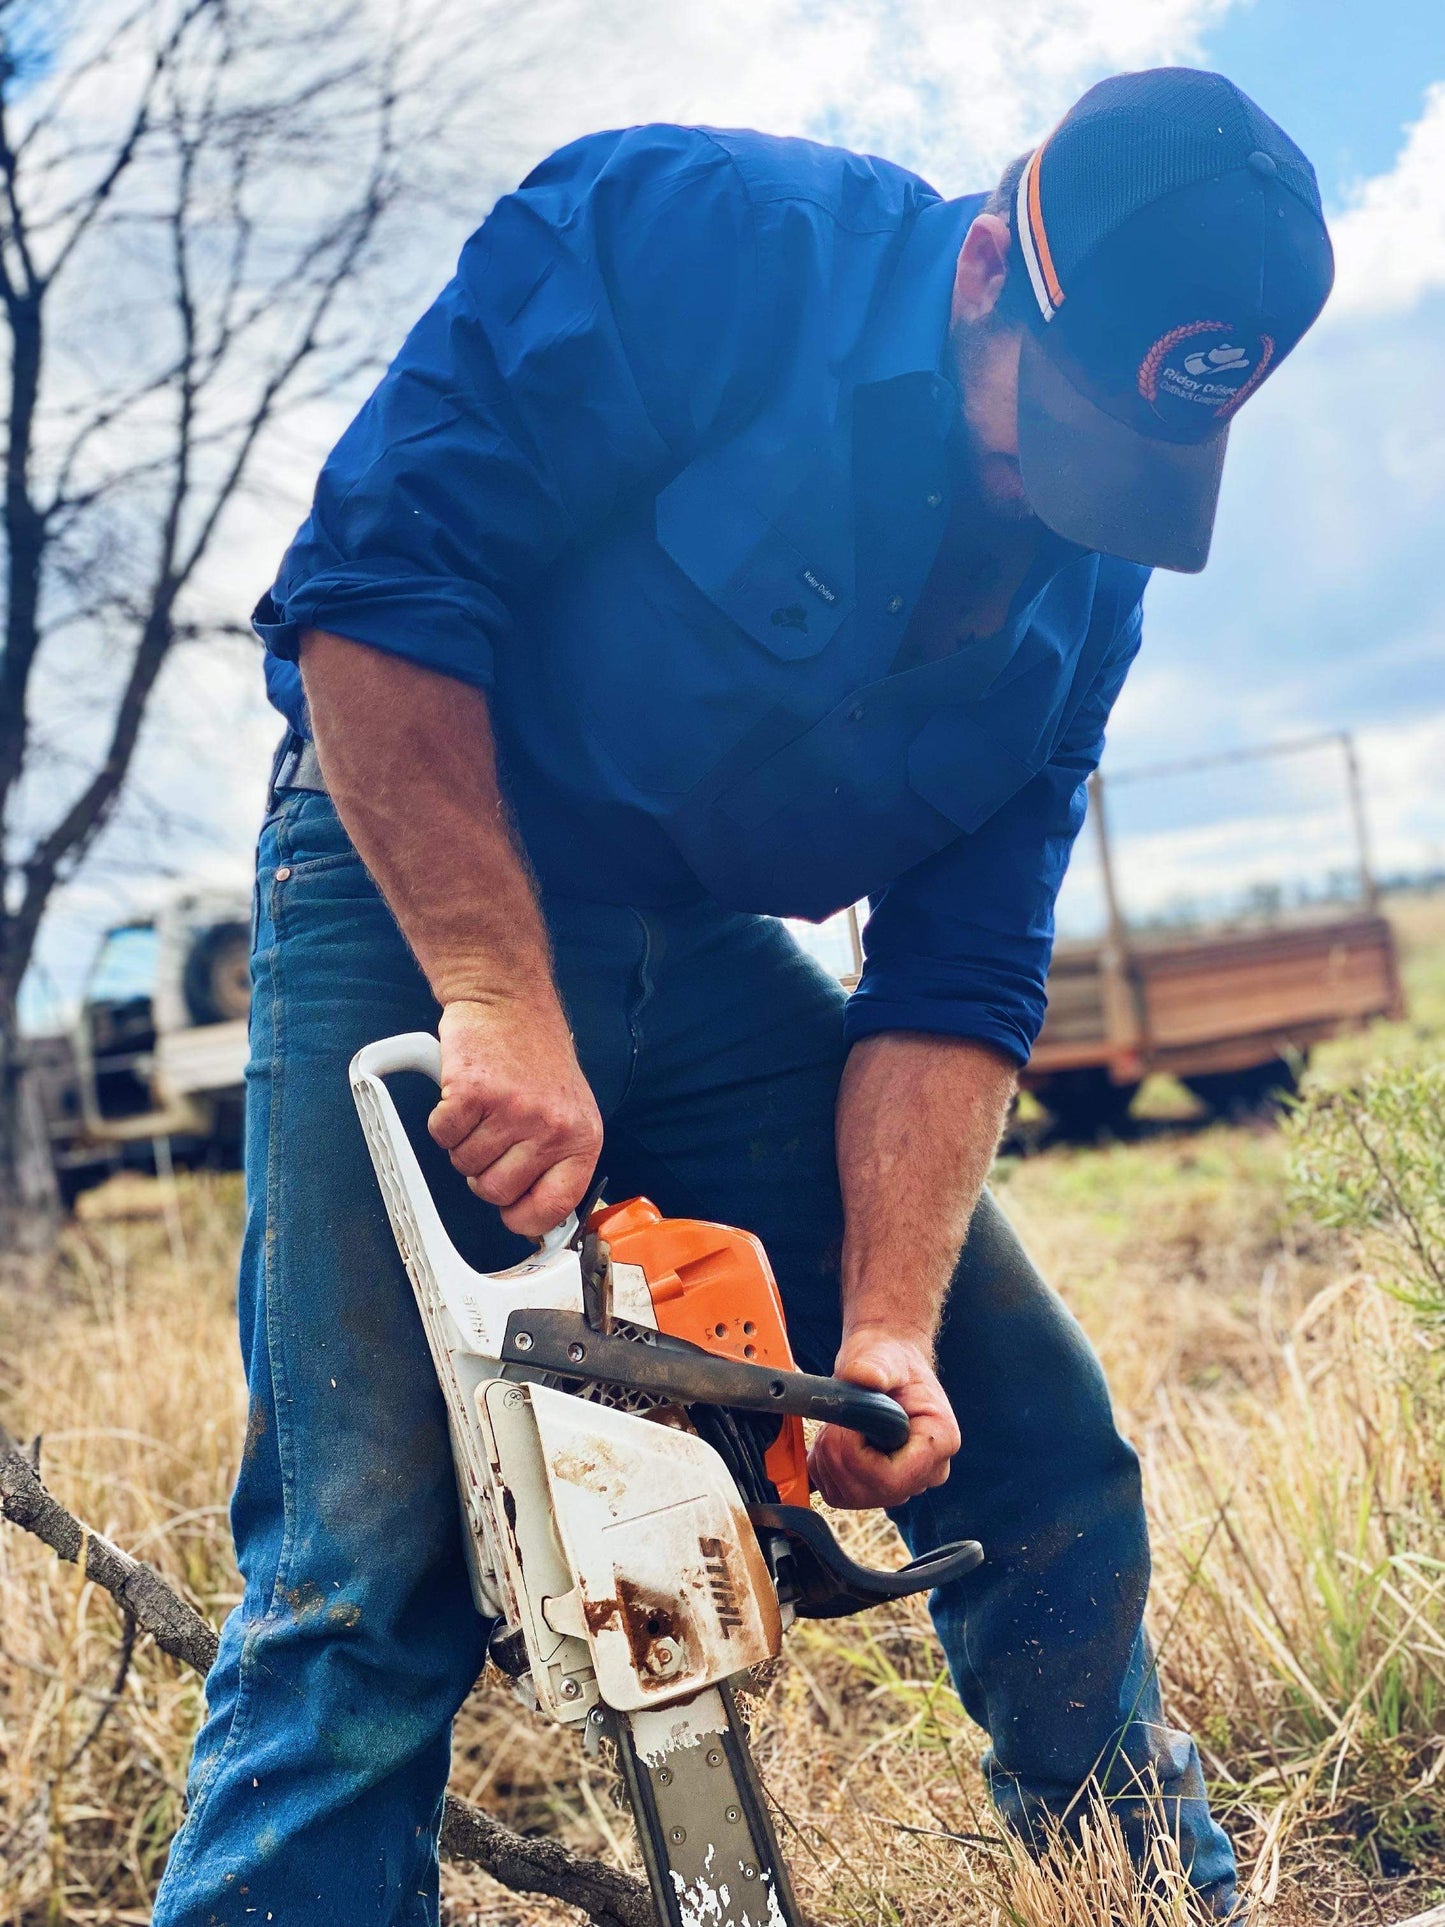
(516, 1114)
(849, 1472)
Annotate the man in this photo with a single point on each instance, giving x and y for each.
(745, 530)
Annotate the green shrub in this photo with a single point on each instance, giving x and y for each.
(1369, 1159)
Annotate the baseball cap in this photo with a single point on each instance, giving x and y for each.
(1175, 251)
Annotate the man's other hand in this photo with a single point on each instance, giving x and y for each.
(516, 1114)
(849, 1472)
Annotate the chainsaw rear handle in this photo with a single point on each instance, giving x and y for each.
(418, 1050)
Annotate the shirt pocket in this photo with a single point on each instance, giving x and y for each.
(790, 602)
(964, 771)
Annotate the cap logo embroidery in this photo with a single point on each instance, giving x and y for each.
(1216, 375)
(1206, 364)
(1257, 375)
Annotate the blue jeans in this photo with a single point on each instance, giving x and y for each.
(714, 1047)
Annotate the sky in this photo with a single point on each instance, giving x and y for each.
(1323, 607)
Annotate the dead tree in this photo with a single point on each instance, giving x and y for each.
(198, 201)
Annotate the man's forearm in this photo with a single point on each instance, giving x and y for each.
(408, 760)
(409, 763)
(918, 1123)
(918, 1120)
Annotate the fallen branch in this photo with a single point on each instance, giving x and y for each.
(607, 1897)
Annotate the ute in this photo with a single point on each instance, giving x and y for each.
(156, 1056)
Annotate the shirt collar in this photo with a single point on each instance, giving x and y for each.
(909, 333)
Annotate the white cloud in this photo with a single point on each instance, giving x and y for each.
(1401, 766)
(949, 89)
(1390, 240)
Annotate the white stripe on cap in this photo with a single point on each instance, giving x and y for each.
(1025, 232)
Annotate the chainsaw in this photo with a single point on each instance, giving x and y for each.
(626, 1421)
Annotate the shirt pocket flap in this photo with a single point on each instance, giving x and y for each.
(963, 771)
(744, 564)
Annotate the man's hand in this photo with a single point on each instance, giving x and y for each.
(849, 1472)
(516, 1114)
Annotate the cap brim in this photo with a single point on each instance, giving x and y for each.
(1098, 482)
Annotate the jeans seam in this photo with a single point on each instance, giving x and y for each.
(275, 1338)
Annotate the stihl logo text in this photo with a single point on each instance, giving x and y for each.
(720, 1585)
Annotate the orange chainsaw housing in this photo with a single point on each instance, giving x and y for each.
(712, 1285)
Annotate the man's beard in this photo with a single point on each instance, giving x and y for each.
(989, 480)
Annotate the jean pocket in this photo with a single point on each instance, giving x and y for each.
(310, 837)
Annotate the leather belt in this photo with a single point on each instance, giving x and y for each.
(297, 766)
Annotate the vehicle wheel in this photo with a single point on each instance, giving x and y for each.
(72, 1179)
(1256, 1091)
(218, 974)
(1087, 1105)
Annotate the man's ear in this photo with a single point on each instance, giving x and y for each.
(982, 268)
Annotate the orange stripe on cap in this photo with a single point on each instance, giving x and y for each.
(1036, 228)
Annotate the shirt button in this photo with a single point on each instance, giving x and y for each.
(895, 605)
(934, 499)
(855, 714)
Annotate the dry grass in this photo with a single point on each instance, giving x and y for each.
(1292, 1436)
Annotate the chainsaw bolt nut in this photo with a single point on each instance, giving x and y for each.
(576, 1352)
(677, 1836)
(714, 1758)
(664, 1656)
(749, 1872)
(664, 1776)
(523, 1341)
(732, 1815)
(571, 1690)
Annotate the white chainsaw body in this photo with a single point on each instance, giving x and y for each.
(616, 1544)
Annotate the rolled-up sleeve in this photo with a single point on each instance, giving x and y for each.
(602, 320)
(960, 945)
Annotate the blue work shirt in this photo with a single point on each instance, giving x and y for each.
(664, 470)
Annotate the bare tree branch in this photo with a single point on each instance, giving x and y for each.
(192, 196)
(15, 231)
(608, 1897)
(89, 207)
